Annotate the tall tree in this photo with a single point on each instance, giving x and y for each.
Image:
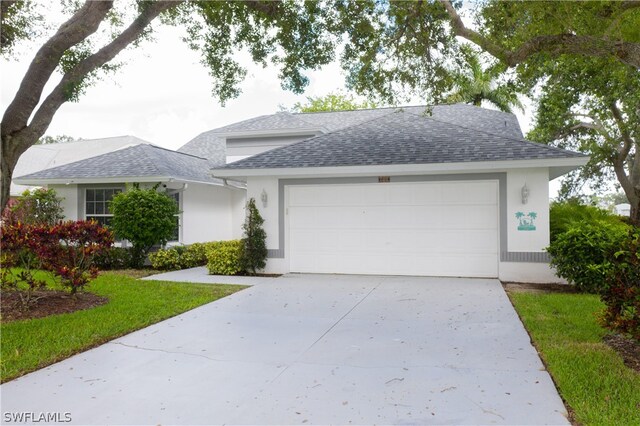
(582, 56)
(333, 101)
(474, 84)
(292, 35)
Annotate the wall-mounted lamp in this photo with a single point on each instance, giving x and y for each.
(524, 192)
(264, 198)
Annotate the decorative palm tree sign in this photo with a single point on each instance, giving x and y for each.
(526, 222)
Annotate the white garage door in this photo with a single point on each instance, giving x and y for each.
(423, 228)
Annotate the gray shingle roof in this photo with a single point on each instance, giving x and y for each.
(138, 161)
(211, 145)
(401, 137)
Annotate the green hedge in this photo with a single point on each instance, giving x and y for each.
(583, 253)
(563, 215)
(180, 257)
(225, 257)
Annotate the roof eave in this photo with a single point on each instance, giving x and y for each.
(97, 180)
(557, 167)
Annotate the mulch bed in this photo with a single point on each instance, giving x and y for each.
(49, 303)
(538, 288)
(627, 348)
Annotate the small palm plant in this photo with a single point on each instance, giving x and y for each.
(474, 84)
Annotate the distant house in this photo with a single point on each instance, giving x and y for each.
(398, 191)
(623, 209)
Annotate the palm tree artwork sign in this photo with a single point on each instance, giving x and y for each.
(526, 222)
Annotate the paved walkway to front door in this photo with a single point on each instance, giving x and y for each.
(305, 349)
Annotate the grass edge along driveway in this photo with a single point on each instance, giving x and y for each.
(590, 376)
(29, 345)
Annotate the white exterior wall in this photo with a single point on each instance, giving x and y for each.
(69, 195)
(537, 180)
(238, 202)
(207, 214)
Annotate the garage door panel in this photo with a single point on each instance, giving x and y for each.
(472, 217)
(396, 229)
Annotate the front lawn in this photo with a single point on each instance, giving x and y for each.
(591, 377)
(133, 304)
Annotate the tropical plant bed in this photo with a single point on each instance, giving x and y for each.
(596, 382)
(45, 303)
(30, 344)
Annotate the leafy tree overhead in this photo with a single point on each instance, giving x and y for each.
(474, 84)
(583, 57)
(591, 105)
(292, 35)
(333, 101)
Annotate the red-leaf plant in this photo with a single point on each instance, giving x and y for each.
(67, 249)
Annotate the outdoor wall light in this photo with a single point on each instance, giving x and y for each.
(264, 198)
(524, 192)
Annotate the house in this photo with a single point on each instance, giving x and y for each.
(41, 157)
(211, 209)
(623, 209)
(402, 192)
(450, 190)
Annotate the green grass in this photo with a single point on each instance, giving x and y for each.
(32, 344)
(591, 377)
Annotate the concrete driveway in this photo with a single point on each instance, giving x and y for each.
(306, 349)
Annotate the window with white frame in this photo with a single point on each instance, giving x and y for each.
(175, 196)
(97, 204)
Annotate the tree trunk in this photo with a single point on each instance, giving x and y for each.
(635, 215)
(12, 147)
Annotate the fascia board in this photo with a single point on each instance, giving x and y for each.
(405, 169)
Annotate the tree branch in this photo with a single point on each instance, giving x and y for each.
(58, 95)
(555, 45)
(81, 25)
(623, 151)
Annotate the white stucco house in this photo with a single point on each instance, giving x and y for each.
(451, 190)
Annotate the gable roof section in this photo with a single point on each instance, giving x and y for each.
(400, 138)
(136, 162)
(211, 144)
(40, 157)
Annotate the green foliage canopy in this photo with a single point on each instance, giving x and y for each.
(333, 101)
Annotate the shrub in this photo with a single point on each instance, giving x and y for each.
(17, 244)
(582, 253)
(562, 215)
(166, 260)
(113, 258)
(145, 217)
(195, 255)
(180, 257)
(621, 292)
(255, 247)
(225, 257)
(39, 206)
(67, 249)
